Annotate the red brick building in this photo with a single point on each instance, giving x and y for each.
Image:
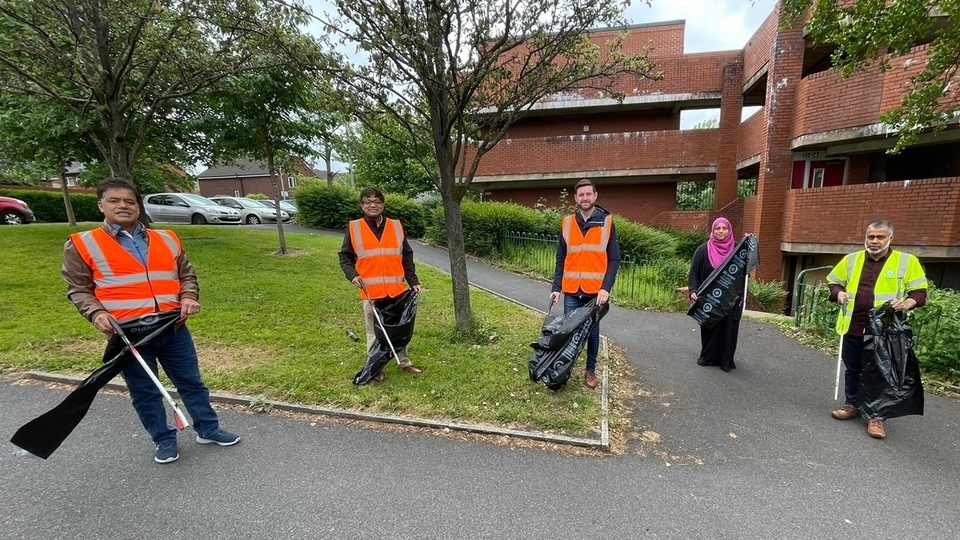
(815, 146)
(245, 177)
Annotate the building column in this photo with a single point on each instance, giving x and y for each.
(731, 109)
(776, 159)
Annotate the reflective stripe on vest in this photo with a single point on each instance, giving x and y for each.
(890, 285)
(586, 262)
(379, 262)
(126, 288)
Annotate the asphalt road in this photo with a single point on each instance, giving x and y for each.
(751, 454)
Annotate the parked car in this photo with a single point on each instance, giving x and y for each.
(284, 205)
(252, 212)
(15, 212)
(187, 208)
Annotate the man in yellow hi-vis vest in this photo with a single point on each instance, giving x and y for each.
(864, 280)
(375, 251)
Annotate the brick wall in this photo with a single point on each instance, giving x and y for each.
(776, 159)
(756, 53)
(750, 136)
(923, 212)
(612, 151)
(640, 202)
(596, 123)
(227, 186)
(731, 106)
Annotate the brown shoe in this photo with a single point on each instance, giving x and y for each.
(590, 379)
(875, 428)
(380, 377)
(845, 413)
(415, 371)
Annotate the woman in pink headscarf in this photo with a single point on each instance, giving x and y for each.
(718, 344)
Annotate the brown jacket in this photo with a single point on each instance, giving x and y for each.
(80, 283)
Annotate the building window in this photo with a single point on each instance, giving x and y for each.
(236, 193)
(817, 180)
(71, 181)
(291, 182)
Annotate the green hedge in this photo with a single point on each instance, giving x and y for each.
(687, 241)
(326, 207)
(49, 208)
(484, 224)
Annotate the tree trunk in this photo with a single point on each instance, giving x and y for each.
(67, 203)
(275, 183)
(328, 159)
(463, 313)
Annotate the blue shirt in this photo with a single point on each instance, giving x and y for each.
(133, 243)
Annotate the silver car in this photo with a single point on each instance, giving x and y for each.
(187, 208)
(252, 212)
(284, 205)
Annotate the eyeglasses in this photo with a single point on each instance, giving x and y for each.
(371, 203)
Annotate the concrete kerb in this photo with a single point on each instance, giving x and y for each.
(603, 443)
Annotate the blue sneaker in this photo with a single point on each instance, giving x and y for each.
(219, 437)
(166, 452)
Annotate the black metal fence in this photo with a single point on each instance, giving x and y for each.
(650, 284)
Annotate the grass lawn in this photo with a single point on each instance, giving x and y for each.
(276, 326)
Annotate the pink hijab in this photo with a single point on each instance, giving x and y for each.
(718, 250)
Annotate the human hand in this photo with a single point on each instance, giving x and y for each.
(102, 323)
(693, 297)
(903, 305)
(554, 298)
(357, 281)
(602, 297)
(842, 297)
(188, 307)
(417, 289)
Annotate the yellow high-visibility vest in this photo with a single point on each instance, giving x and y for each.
(900, 275)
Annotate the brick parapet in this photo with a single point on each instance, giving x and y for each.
(923, 212)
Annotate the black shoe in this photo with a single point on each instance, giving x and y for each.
(702, 361)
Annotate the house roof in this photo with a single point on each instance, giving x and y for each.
(246, 168)
(240, 167)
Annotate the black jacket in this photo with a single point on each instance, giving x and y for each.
(613, 250)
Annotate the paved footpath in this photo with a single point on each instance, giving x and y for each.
(752, 454)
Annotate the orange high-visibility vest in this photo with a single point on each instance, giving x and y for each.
(379, 262)
(586, 261)
(126, 288)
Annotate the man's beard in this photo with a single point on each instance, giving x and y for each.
(877, 251)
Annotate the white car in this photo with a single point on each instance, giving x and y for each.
(252, 212)
(187, 208)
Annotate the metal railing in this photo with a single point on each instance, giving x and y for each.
(651, 284)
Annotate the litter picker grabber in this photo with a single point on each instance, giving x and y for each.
(376, 315)
(44, 434)
(836, 388)
(179, 418)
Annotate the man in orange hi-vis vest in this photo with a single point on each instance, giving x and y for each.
(588, 257)
(129, 273)
(375, 252)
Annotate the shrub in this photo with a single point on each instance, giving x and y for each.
(326, 207)
(484, 224)
(687, 241)
(769, 294)
(49, 208)
(642, 243)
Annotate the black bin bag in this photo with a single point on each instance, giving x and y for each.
(890, 385)
(562, 337)
(397, 315)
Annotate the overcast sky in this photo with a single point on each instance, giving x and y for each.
(711, 25)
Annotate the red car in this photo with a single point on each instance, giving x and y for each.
(15, 212)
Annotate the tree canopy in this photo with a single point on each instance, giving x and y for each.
(868, 33)
(457, 74)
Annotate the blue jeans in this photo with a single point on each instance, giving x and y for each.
(178, 357)
(572, 302)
